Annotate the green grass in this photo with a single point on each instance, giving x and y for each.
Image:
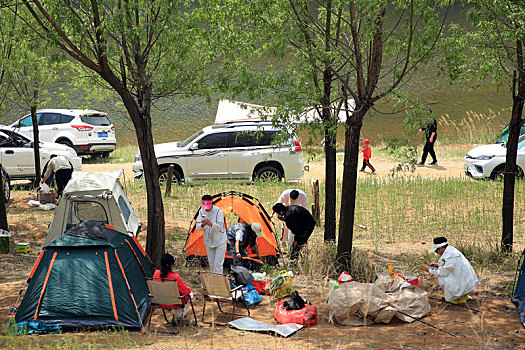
(122, 154)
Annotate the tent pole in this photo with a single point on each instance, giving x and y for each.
(428, 324)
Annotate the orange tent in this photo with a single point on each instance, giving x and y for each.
(250, 210)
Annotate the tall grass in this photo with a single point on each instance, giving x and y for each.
(390, 211)
(474, 128)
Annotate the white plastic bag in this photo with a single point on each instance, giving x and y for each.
(44, 188)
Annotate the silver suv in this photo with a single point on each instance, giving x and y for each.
(86, 131)
(232, 151)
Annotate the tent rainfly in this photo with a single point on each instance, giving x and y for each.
(94, 196)
(249, 210)
(91, 276)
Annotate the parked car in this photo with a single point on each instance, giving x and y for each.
(504, 135)
(17, 155)
(488, 161)
(6, 183)
(235, 151)
(86, 131)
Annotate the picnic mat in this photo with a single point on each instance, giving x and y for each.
(249, 324)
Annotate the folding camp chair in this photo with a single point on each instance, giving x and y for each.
(217, 287)
(165, 295)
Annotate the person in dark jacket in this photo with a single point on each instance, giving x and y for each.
(299, 221)
(242, 235)
(430, 135)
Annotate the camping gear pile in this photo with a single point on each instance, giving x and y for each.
(357, 304)
(45, 195)
(296, 310)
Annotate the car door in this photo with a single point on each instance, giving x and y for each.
(16, 157)
(48, 126)
(208, 157)
(249, 149)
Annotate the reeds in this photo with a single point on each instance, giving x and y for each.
(474, 128)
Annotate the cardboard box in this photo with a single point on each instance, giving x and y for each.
(47, 197)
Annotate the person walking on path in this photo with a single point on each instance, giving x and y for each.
(211, 221)
(63, 170)
(367, 154)
(299, 221)
(430, 135)
(454, 272)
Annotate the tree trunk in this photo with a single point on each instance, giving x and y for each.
(507, 209)
(139, 111)
(348, 195)
(330, 187)
(3, 209)
(36, 142)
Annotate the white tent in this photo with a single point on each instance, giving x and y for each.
(233, 111)
(93, 196)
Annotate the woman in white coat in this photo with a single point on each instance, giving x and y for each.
(211, 221)
(453, 271)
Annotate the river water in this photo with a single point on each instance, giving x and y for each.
(176, 120)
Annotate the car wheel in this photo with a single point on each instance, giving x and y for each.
(7, 189)
(163, 176)
(498, 173)
(105, 154)
(268, 174)
(65, 142)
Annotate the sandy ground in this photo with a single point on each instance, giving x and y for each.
(497, 326)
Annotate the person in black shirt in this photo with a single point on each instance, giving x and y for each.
(299, 221)
(431, 135)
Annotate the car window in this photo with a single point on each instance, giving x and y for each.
(49, 119)
(64, 118)
(96, 119)
(521, 144)
(191, 138)
(27, 121)
(12, 139)
(244, 139)
(213, 141)
(253, 138)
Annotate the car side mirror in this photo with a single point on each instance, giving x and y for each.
(194, 146)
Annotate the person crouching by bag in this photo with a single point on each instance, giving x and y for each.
(167, 262)
(241, 236)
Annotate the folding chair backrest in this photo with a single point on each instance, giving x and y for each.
(216, 285)
(164, 292)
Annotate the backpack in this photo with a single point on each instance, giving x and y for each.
(241, 275)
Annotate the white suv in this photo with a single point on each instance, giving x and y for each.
(235, 151)
(17, 155)
(86, 131)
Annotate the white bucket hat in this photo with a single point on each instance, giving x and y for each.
(257, 228)
(438, 243)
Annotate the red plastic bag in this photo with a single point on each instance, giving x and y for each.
(344, 277)
(262, 287)
(307, 316)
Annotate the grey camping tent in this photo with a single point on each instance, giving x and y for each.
(93, 196)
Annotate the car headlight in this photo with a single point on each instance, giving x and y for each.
(138, 158)
(482, 157)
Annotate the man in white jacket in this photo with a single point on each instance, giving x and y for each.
(211, 221)
(453, 271)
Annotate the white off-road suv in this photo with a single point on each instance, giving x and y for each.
(232, 151)
(86, 131)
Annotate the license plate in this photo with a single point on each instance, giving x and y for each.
(102, 134)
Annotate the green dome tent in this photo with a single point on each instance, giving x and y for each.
(92, 275)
